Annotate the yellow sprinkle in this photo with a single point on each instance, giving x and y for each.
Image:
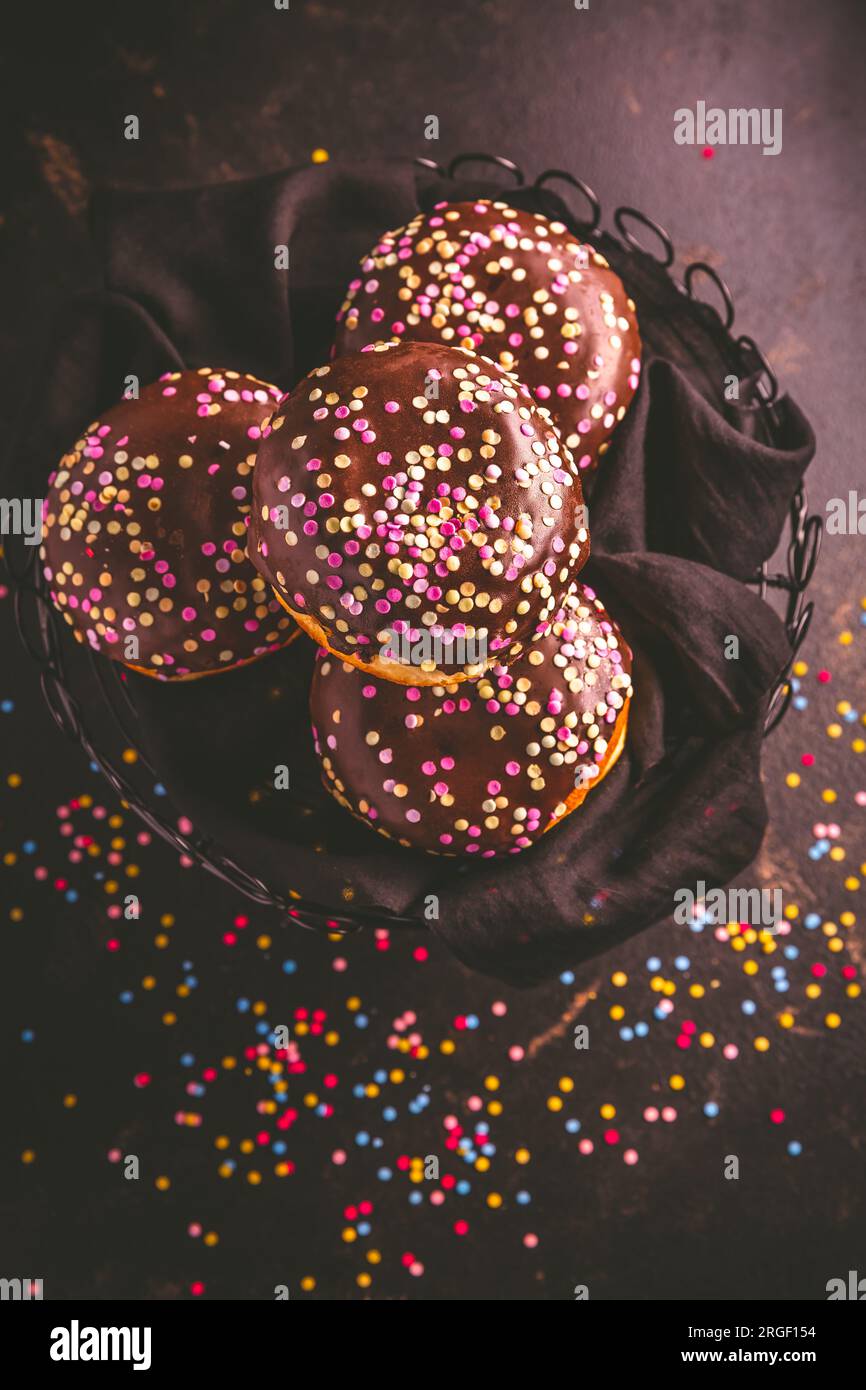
(852, 884)
(494, 1200)
(786, 1020)
(677, 1083)
(491, 1083)
(800, 668)
(793, 779)
(607, 1111)
(554, 1103)
(308, 1283)
(846, 638)
(566, 1083)
(522, 1156)
(828, 795)
(129, 755)
(832, 1020)
(70, 1102)
(28, 1156)
(619, 978)
(14, 779)
(834, 730)
(163, 1184)
(762, 1044)
(320, 156)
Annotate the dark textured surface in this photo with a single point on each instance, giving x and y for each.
(225, 90)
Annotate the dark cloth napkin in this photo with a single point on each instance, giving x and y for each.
(691, 498)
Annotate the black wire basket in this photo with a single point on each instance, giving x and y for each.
(111, 718)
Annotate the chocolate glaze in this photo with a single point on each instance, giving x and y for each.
(417, 490)
(144, 541)
(517, 287)
(482, 768)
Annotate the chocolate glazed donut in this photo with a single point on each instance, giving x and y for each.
(417, 513)
(145, 524)
(522, 290)
(486, 768)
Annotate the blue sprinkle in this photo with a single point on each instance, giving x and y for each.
(464, 1187)
(641, 1029)
(159, 789)
(567, 977)
(682, 962)
(380, 1077)
(778, 972)
(812, 921)
(71, 896)
(711, 1109)
(29, 847)
(279, 1146)
(126, 997)
(358, 1091)
(364, 1228)
(653, 964)
(472, 1020)
(800, 702)
(814, 853)
(290, 966)
(748, 1006)
(27, 1035)
(389, 1114)
(187, 1059)
(573, 1126)
(362, 1138)
(7, 706)
(243, 1005)
(361, 1020)
(415, 1199)
(377, 1143)
(783, 986)
(627, 1034)
(384, 1175)
(795, 1148)
(523, 1199)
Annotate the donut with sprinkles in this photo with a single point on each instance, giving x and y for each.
(483, 768)
(145, 529)
(417, 513)
(522, 290)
